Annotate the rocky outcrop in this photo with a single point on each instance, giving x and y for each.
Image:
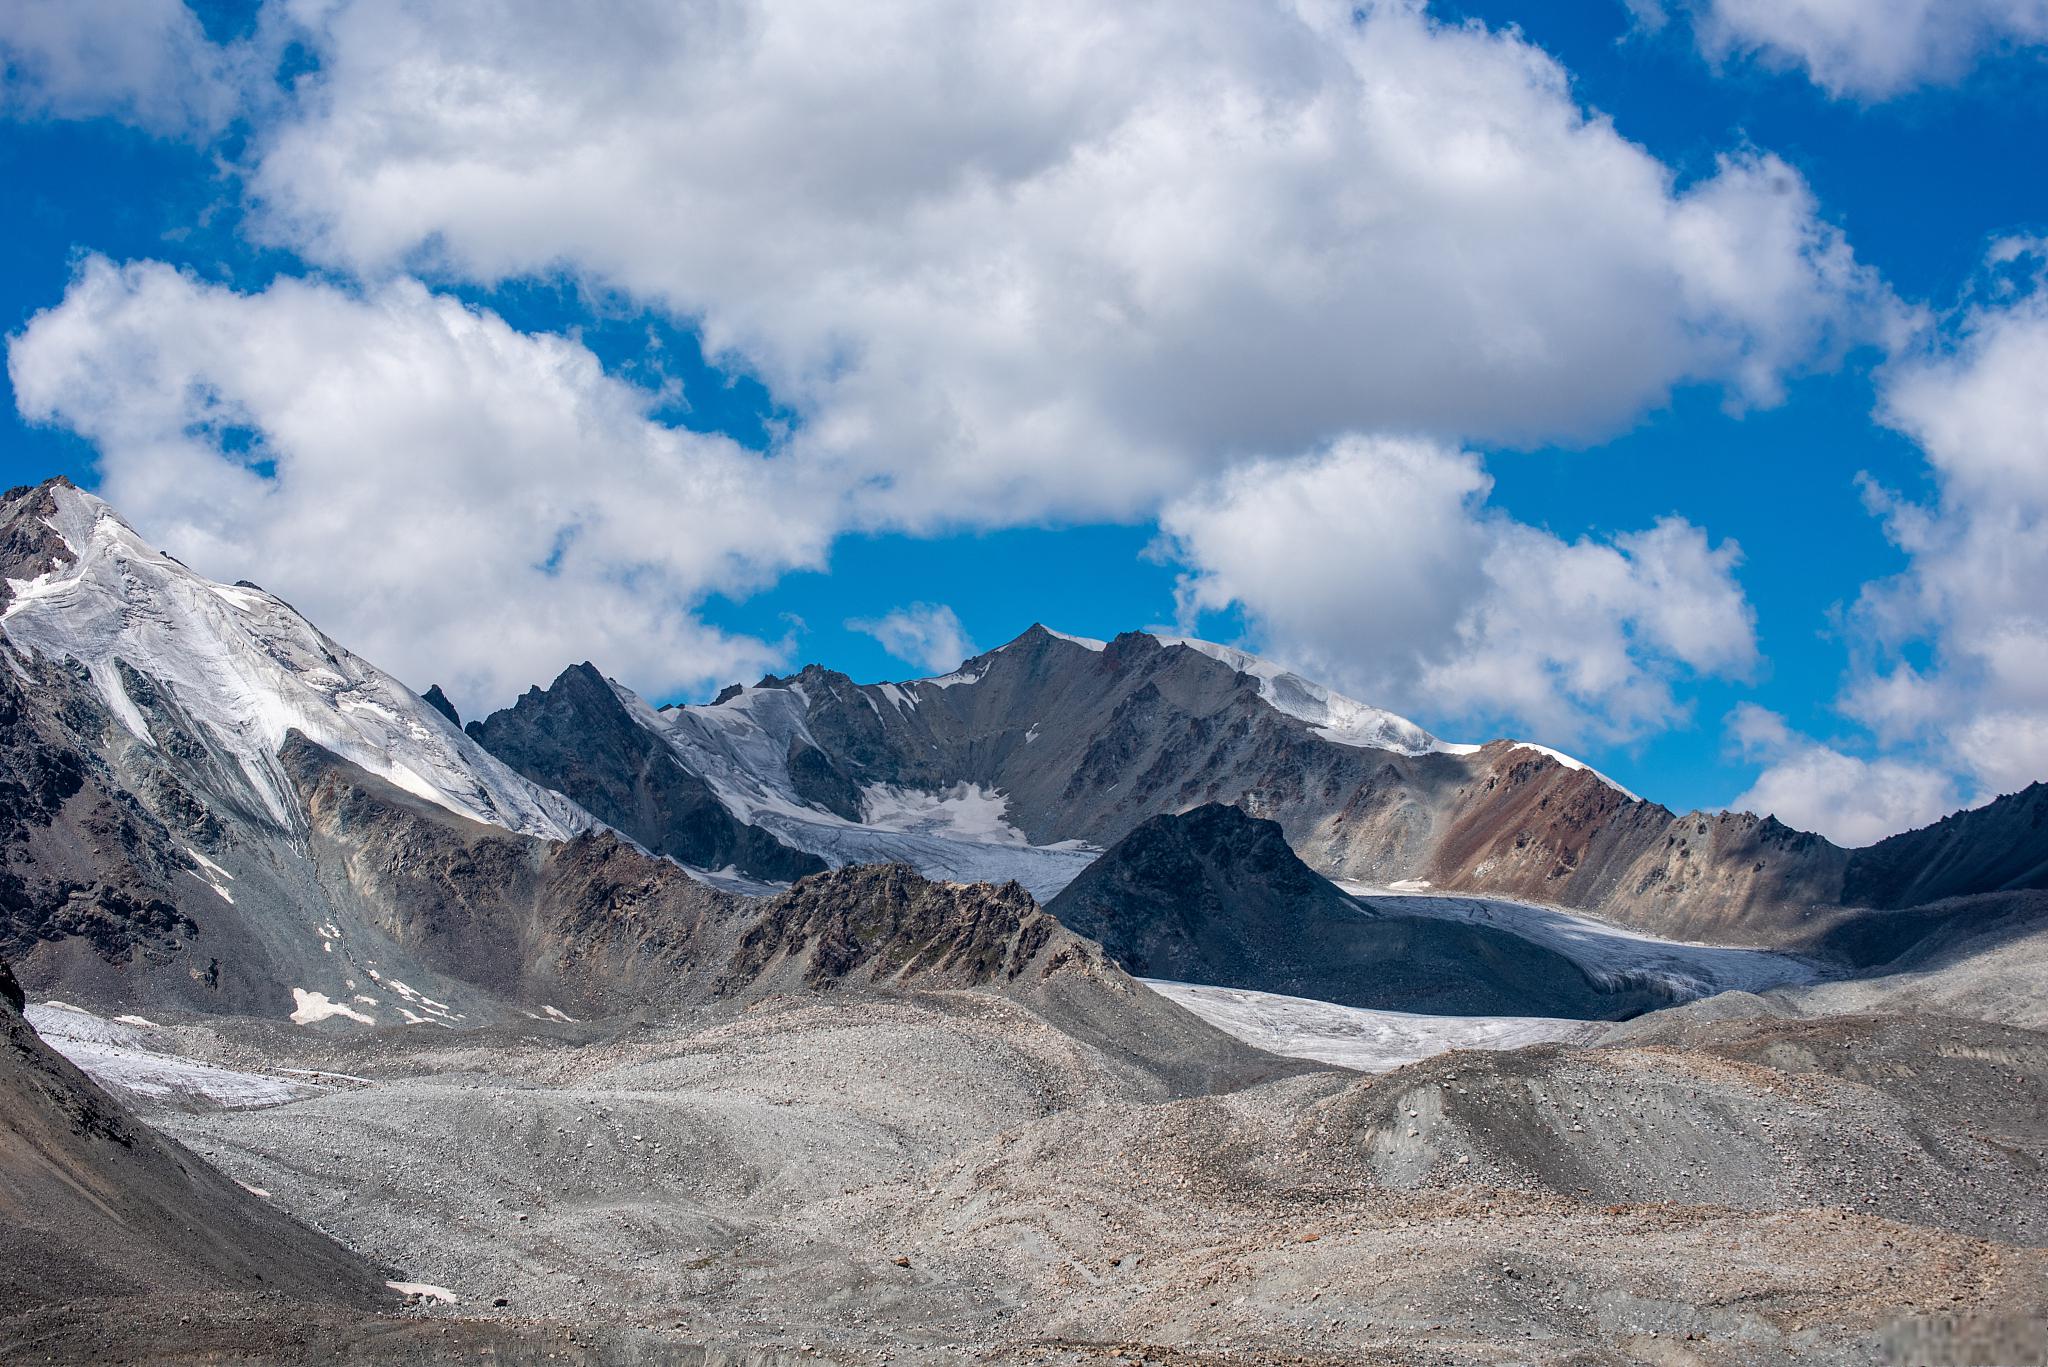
(1216, 896)
(438, 700)
(29, 546)
(578, 738)
(888, 924)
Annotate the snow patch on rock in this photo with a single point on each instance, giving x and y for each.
(1334, 717)
(309, 1008)
(1353, 1037)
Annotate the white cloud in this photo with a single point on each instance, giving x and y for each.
(1377, 565)
(1815, 787)
(927, 635)
(1057, 260)
(1949, 669)
(148, 62)
(456, 500)
(1973, 590)
(1006, 264)
(1870, 49)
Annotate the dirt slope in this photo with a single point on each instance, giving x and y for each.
(95, 1204)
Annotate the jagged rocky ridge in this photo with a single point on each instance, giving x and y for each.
(577, 738)
(1072, 741)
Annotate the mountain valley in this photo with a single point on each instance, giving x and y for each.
(1135, 1000)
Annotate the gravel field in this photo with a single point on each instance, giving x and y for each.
(947, 1176)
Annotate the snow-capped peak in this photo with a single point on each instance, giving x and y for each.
(248, 669)
(1347, 721)
(1334, 717)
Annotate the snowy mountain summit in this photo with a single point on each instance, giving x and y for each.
(243, 668)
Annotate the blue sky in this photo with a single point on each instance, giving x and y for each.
(1915, 162)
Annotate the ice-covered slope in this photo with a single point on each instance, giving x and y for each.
(247, 670)
(743, 746)
(1333, 716)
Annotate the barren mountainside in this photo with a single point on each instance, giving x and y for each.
(1215, 896)
(1083, 741)
(95, 1204)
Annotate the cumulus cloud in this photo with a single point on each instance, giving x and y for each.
(1850, 799)
(147, 62)
(1057, 260)
(457, 500)
(1869, 49)
(1378, 566)
(928, 635)
(1002, 264)
(1973, 588)
(1949, 675)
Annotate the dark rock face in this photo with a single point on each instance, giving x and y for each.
(820, 782)
(438, 700)
(888, 924)
(80, 856)
(1999, 847)
(1216, 896)
(10, 990)
(577, 738)
(28, 547)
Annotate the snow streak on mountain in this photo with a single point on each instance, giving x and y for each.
(248, 669)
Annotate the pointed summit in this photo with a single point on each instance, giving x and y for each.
(438, 700)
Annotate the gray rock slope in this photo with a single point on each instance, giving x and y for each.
(94, 1204)
(1215, 896)
(1999, 847)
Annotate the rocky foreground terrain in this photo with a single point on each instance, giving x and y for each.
(947, 1178)
(827, 1162)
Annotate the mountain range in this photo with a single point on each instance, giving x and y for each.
(206, 801)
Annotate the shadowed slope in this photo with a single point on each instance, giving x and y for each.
(1216, 896)
(93, 1203)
